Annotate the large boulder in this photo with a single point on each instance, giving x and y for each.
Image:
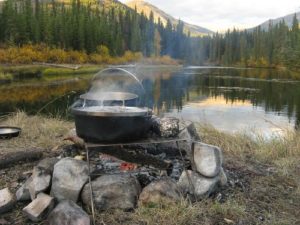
(194, 184)
(207, 159)
(113, 192)
(68, 213)
(69, 176)
(39, 208)
(160, 191)
(7, 200)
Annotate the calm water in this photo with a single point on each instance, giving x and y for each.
(231, 99)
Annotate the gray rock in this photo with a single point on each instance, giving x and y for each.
(223, 177)
(196, 185)
(23, 193)
(68, 213)
(7, 200)
(39, 208)
(189, 133)
(47, 164)
(113, 192)
(168, 127)
(207, 159)
(160, 191)
(185, 146)
(191, 129)
(41, 180)
(69, 176)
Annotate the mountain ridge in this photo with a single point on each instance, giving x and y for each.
(287, 18)
(146, 8)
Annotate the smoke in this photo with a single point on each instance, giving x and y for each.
(113, 87)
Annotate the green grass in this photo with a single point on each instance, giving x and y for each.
(65, 71)
(33, 71)
(263, 187)
(5, 76)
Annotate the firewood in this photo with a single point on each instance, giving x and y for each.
(10, 159)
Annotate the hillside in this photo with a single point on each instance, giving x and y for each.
(146, 7)
(288, 20)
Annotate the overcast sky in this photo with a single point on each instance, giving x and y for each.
(224, 14)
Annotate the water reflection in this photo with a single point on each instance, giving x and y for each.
(229, 99)
(268, 103)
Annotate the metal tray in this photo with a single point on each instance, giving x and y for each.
(7, 132)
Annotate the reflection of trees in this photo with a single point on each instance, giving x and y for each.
(34, 97)
(276, 95)
(166, 92)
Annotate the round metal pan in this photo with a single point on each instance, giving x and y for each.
(109, 96)
(7, 132)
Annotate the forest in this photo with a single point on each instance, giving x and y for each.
(90, 31)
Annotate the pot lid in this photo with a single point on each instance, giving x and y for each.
(112, 111)
(108, 96)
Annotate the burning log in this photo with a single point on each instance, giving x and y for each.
(132, 156)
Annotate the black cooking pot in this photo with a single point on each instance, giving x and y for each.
(111, 124)
(108, 112)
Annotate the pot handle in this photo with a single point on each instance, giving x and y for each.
(120, 69)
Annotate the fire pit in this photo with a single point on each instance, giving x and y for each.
(109, 112)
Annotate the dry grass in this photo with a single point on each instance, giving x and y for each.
(37, 132)
(282, 152)
(263, 187)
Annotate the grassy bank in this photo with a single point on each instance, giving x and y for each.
(263, 187)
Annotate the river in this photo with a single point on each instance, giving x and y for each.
(230, 99)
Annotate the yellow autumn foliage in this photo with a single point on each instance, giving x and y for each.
(29, 54)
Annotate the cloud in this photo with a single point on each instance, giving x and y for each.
(224, 14)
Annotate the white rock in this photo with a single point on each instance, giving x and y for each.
(39, 208)
(207, 159)
(113, 192)
(193, 183)
(68, 213)
(7, 200)
(159, 191)
(69, 176)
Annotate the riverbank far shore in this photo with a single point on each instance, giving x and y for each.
(9, 72)
(263, 177)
